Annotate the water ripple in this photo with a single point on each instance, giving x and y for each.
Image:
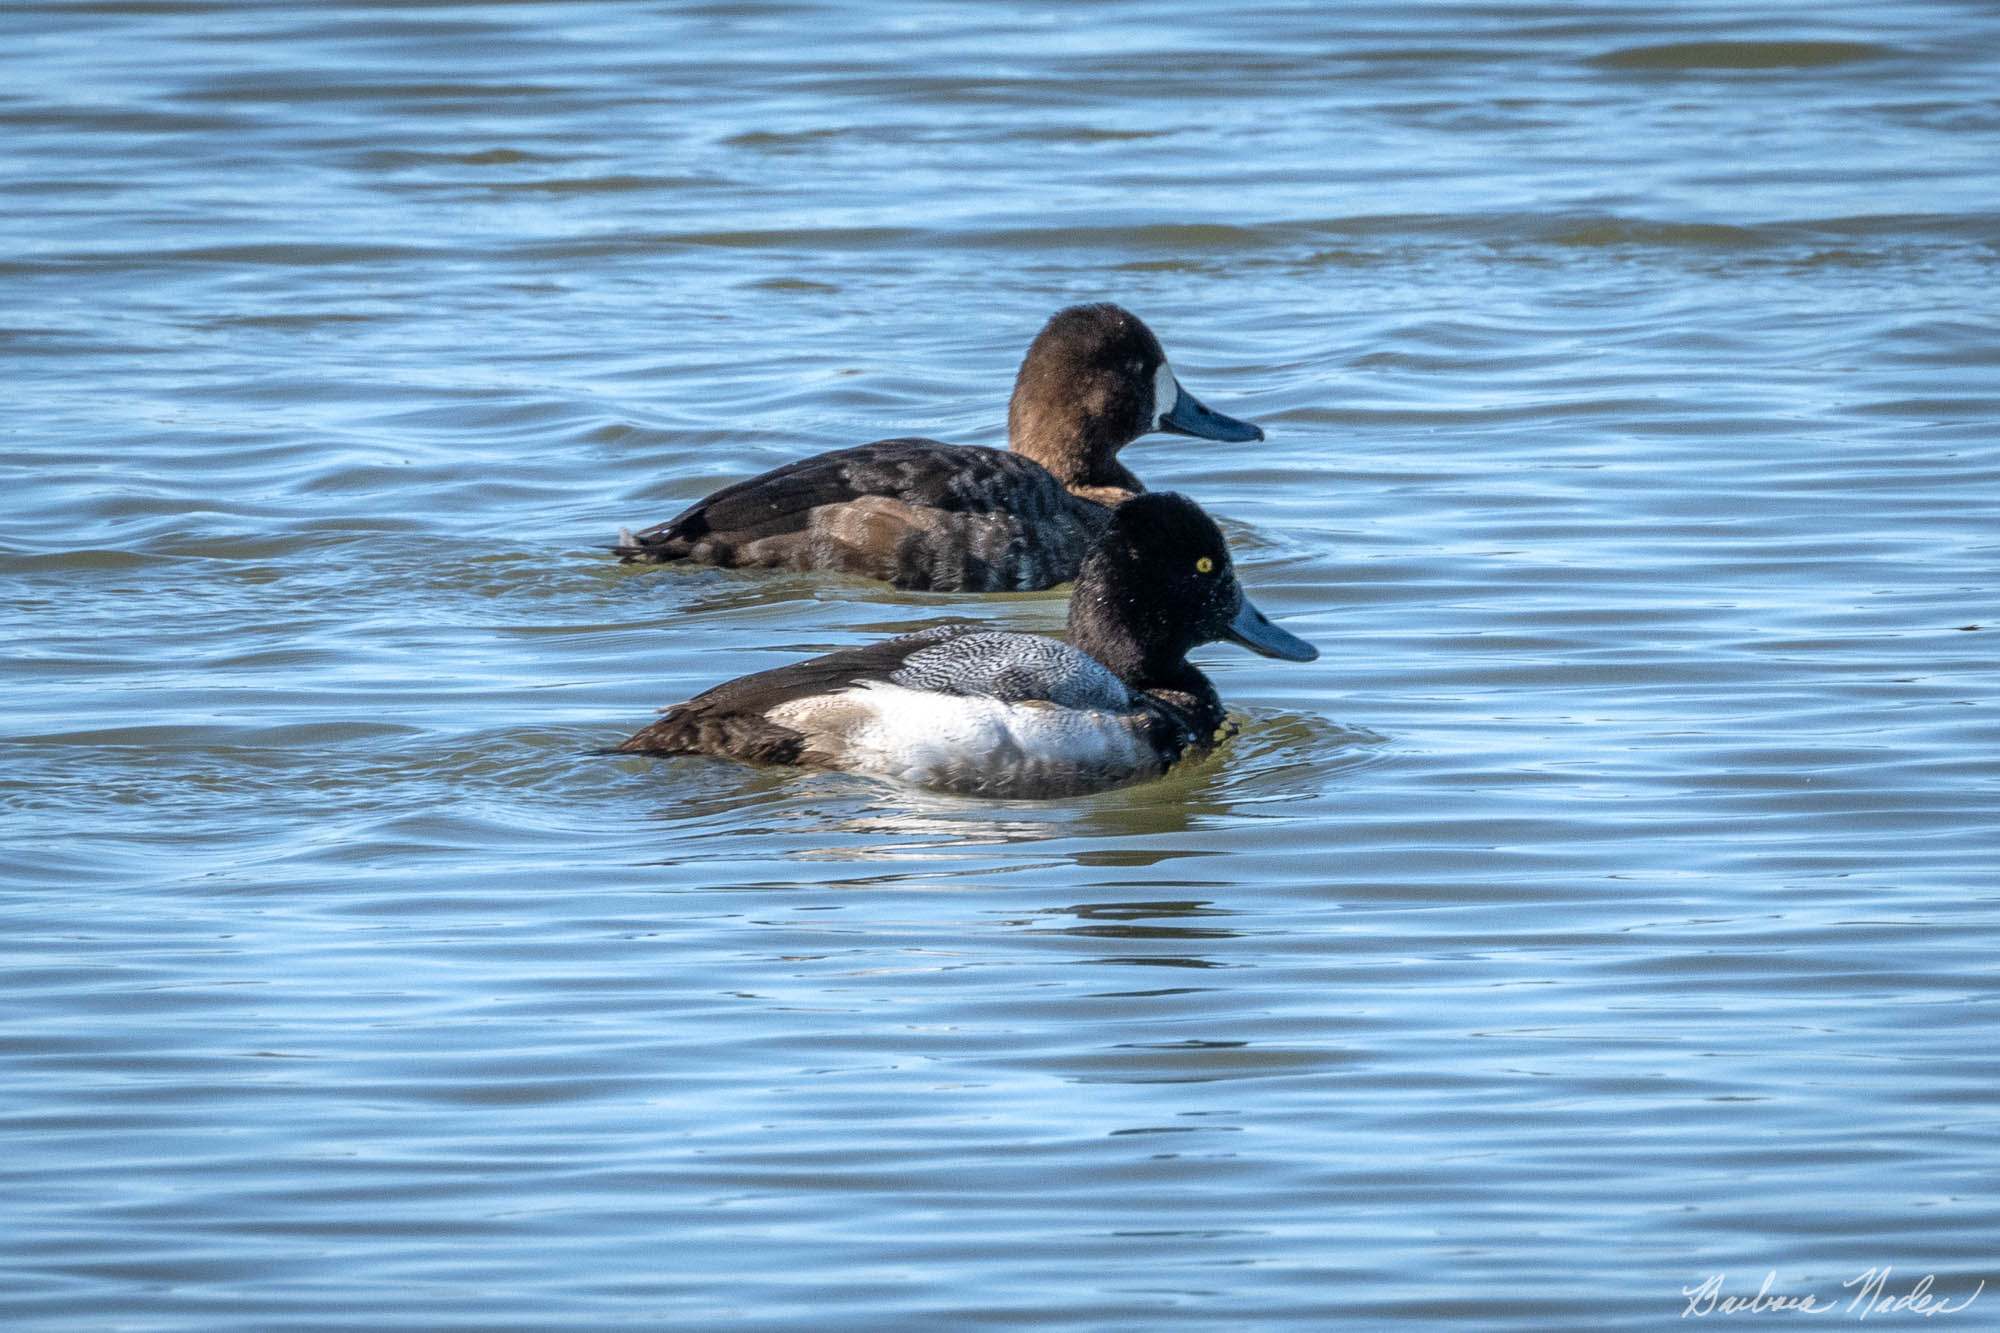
(1616, 887)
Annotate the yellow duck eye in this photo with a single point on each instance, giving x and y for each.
(1204, 566)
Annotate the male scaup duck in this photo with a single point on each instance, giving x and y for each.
(965, 709)
(964, 518)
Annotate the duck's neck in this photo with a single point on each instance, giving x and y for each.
(1097, 630)
(1191, 696)
(1120, 485)
(1163, 672)
(1073, 455)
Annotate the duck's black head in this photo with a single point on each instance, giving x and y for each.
(1094, 380)
(1158, 583)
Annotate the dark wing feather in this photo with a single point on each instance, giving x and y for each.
(732, 720)
(951, 477)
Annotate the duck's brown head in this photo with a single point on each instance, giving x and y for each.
(1094, 380)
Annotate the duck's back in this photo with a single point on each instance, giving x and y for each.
(916, 513)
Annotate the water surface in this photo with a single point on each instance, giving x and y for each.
(1612, 905)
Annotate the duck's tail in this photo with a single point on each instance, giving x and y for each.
(654, 546)
(691, 729)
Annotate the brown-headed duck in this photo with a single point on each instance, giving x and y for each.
(964, 518)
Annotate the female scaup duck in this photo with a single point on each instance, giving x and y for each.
(963, 518)
(976, 711)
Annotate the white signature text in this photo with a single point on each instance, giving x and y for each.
(1872, 1295)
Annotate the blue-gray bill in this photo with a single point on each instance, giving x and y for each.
(1260, 636)
(1191, 417)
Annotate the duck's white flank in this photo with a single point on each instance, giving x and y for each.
(973, 744)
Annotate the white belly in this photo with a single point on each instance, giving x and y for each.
(973, 745)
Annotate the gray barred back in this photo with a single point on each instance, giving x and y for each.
(1014, 668)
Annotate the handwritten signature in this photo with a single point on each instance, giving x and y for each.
(1871, 1296)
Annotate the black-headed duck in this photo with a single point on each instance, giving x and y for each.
(969, 710)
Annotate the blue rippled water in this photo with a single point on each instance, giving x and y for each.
(1611, 907)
